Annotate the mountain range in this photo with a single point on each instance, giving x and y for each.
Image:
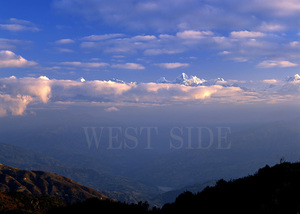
(269, 190)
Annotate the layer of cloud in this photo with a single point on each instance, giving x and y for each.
(10, 59)
(19, 94)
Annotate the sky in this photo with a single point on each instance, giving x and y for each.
(46, 47)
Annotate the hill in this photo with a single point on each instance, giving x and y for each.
(44, 184)
(270, 190)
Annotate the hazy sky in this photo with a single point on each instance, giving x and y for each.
(46, 46)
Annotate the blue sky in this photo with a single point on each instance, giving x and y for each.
(251, 44)
(134, 40)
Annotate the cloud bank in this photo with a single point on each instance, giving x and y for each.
(17, 94)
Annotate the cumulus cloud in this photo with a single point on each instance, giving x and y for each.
(38, 88)
(276, 63)
(13, 105)
(17, 94)
(10, 59)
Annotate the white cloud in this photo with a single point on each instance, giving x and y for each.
(224, 53)
(65, 41)
(173, 65)
(270, 81)
(130, 66)
(276, 63)
(191, 34)
(10, 59)
(111, 109)
(246, 34)
(295, 44)
(86, 64)
(19, 25)
(17, 94)
(271, 27)
(144, 37)
(38, 88)
(13, 105)
(278, 7)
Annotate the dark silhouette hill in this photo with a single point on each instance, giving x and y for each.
(271, 190)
